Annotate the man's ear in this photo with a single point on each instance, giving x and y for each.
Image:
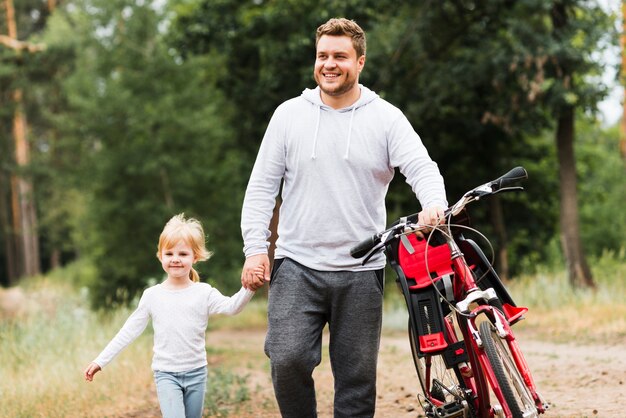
(361, 62)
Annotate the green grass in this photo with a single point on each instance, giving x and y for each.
(562, 313)
(556, 311)
(225, 392)
(44, 350)
(45, 347)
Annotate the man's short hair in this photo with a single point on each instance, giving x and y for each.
(343, 27)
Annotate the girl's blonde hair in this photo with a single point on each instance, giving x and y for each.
(189, 231)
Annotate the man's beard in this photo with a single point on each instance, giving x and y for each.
(344, 87)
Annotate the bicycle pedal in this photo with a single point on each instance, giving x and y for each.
(451, 410)
(497, 411)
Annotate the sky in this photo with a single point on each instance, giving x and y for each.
(611, 108)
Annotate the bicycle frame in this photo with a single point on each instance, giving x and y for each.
(481, 312)
(475, 305)
(487, 358)
(474, 294)
(504, 331)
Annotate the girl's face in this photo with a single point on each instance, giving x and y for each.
(177, 261)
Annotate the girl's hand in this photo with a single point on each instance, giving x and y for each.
(251, 268)
(92, 369)
(259, 273)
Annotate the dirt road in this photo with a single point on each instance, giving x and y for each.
(576, 380)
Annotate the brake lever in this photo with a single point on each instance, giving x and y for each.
(372, 252)
(480, 191)
(486, 190)
(384, 240)
(509, 189)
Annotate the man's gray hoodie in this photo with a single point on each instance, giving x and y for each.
(336, 166)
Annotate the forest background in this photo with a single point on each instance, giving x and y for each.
(117, 114)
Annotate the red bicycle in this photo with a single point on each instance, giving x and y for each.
(467, 359)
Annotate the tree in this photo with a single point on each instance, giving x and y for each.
(602, 184)
(149, 128)
(570, 23)
(267, 47)
(504, 71)
(20, 222)
(474, 103)
(473, 78)
(622, 143)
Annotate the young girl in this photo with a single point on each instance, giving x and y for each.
(179, 308)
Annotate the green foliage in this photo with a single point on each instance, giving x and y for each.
(56, 327)
(492, 66)
(601, 190)
(487, 83)
(549, 290)
(268, 50)
(156, 146)
(138, 112)
(225, 391)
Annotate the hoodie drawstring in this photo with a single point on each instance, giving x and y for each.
(345, 157)
(317, 128)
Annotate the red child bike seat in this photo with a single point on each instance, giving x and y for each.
(427, 264)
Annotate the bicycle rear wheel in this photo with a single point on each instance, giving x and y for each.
(515, 392)
(440, 385)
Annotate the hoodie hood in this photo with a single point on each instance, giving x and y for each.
(314, 97)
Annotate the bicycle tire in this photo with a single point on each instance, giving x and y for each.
(515, 392)
(449, 378)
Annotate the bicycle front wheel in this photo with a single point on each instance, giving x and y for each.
(515, 392)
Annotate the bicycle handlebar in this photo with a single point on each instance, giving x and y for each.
(514, 176)
(364, 246)
(502, 183)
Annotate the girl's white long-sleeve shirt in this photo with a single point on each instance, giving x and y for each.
(179, 319)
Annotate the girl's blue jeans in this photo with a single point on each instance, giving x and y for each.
(181, 394)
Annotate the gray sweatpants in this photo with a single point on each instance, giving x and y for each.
(301, 302)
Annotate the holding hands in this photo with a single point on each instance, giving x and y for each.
(256, 271)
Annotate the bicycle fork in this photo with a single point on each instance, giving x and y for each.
(490, 313)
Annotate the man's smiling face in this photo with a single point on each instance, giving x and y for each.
(337, 67)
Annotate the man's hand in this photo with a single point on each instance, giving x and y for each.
(433, 215)
(256, 271)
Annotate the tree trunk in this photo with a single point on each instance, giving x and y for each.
(578, 270)
(23, 202)
(497, 221)
(55, 258)
(7, 232)
(25, 218)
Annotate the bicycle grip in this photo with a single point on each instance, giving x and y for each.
(364, 246)
(509, 179)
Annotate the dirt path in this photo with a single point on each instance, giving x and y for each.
(576, 380)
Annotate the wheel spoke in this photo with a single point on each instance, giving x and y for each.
(514, 391)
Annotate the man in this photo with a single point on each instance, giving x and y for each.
(335, 149)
